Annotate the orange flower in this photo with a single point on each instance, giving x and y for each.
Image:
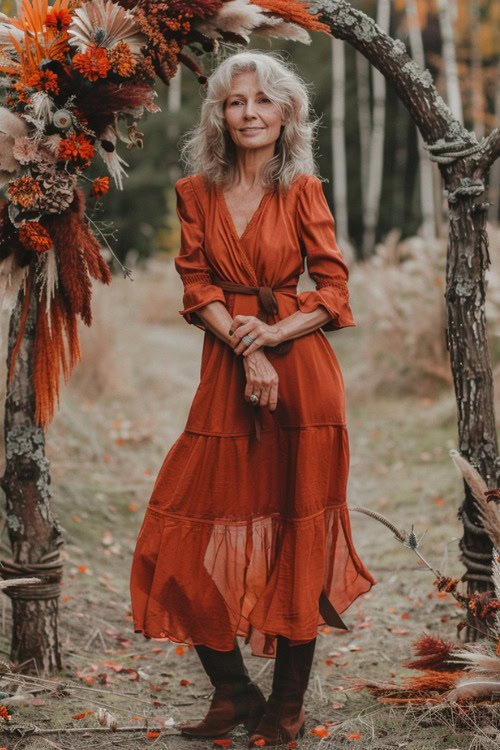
(24, 191)
(75, 148)
(100, 186)
(93, 63)
(43, 80)
(122, 60)
(58, 19)
(4, 714)
(33, 236)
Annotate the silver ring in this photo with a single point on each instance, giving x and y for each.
(247, 340)
(254, 398)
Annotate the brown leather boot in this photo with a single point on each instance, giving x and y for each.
(237, 700)
(283, 719)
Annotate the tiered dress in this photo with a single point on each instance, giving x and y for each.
(250, 535)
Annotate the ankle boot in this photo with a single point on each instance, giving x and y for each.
(283, 719)
(236, 700)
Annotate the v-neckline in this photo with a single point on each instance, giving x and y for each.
(229, 217)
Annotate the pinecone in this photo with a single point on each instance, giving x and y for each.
(58, 188)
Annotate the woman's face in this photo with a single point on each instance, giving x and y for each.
(253, 121)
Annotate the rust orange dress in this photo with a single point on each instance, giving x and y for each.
(248, 534)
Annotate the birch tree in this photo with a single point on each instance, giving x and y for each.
(338, 140)
(376, 161)
(425, 165)
(447, 13)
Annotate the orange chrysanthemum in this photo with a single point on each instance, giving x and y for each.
(100, 186)
(43, 80)
(122, 60)
(93, 63)
(76, 148)
(58, 19)
(34, 237)
(24, 191)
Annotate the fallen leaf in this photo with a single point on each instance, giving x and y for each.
(81, 716)
(319, 731)
(184, 682)
(133, 508)
(223, 743)
(152, 735)
(354, 736)
(259, 743)
(335, 704)
(179, 650)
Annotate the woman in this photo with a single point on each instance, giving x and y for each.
(247, 532)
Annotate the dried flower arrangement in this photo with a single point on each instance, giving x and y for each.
(452, 672)
(71, 72)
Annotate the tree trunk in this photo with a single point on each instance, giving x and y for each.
(464, 164)
(34, 533)
(338, 141)
(425, 165)
(376, 164)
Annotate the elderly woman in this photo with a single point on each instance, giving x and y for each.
(247, 531)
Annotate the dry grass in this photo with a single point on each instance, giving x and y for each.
(398, 298)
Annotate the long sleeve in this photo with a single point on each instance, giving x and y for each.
(191, 264)
(325, 262)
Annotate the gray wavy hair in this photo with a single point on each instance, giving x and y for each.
(208, 148)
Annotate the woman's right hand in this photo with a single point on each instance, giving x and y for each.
(262, 379)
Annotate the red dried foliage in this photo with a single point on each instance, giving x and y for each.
(296, 12)
(33, 236)
(431, 680)
(9, 239)
(435, 655)
(49, 354)
(99, 104)
(79, 255)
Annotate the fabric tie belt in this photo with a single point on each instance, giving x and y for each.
(269, 304)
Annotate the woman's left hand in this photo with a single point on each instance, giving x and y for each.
(262, 333)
